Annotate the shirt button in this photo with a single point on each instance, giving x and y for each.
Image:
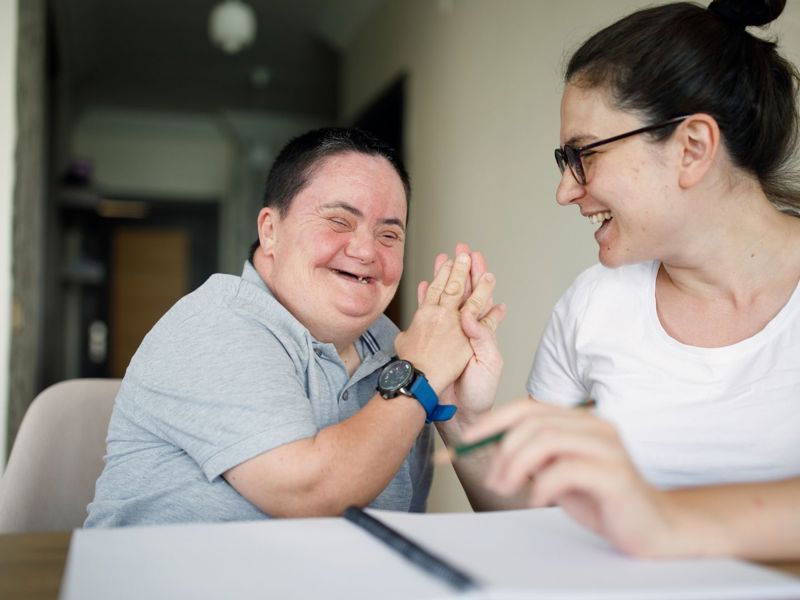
(345, 395)
(318, 352)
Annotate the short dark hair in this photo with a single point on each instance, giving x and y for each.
(297, 161)
(681, 58)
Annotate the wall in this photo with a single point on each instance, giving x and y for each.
(482, 123)
(153, 154)
(222, 157)
(8, 120)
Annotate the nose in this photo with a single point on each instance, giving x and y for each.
(361, 246)
(569, 190)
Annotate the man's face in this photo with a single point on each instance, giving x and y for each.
(335, 259)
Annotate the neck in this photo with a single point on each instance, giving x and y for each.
(349, 356)
(342, 340)
(741, 249)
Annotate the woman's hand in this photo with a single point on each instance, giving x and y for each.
(577, 461)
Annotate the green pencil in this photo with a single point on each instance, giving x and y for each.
(461, 450)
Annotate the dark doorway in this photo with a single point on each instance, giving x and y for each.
(124, 263)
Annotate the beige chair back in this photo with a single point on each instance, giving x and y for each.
(57, 457)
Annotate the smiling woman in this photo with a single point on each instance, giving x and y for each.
(686, 336)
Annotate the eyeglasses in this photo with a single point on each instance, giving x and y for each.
(570, 156)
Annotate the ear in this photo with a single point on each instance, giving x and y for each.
(700, 142)
(268, 221)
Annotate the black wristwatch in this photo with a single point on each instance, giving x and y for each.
(400, 377)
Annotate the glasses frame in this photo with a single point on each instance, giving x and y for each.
(570, 156)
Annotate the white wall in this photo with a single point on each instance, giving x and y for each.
(222, 157)
(8, 137)
(154, 154)
(482, 123)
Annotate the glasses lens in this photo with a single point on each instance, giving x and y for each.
(561, 160)
(573, 159)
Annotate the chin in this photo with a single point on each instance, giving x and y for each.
(365, 314)
(611, 261)
(607, 261)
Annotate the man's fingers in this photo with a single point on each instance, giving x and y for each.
(457, 281)
(436, 287)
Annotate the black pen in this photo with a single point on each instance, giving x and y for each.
(410, 550)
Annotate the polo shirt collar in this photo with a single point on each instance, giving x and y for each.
(377, 339)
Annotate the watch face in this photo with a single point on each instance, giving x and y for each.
(395, 375)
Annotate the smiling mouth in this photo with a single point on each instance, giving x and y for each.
(600, 217)
(363, 279)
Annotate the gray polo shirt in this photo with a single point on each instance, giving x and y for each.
(226, 374)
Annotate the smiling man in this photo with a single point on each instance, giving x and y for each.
(286, 391)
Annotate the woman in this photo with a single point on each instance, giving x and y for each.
(687, 335)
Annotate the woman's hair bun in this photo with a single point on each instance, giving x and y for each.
(743, 13)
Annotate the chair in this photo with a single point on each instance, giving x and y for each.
(57, 457)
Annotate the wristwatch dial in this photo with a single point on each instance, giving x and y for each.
(394, 376)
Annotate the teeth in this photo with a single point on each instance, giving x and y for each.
(600, 217)
(361, 279)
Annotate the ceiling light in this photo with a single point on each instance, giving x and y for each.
(232, 25)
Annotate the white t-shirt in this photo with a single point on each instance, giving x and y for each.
(688, 415)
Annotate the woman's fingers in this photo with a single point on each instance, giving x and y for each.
(483, 331)
(570, 476)
(479, 267)
(422, 290)
(440, 259)
(479, 307)
(531, 447)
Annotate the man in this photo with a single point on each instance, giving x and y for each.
(256, 395)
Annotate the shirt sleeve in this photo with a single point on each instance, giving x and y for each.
(555, 375)
(223, 389)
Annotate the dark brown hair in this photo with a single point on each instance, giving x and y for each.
(295, 164)
(681, 58)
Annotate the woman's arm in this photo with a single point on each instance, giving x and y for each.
(577, 461)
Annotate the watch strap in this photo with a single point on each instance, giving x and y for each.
(424, 393)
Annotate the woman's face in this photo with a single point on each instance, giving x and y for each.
(631, 190)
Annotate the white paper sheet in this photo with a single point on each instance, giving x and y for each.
(516, 554)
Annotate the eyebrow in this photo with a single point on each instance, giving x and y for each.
(580, 140)
(355, 212)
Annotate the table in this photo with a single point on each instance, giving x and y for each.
(32, 565)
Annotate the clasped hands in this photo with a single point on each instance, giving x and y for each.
(452, 335)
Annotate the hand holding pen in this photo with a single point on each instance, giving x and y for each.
(574, 459)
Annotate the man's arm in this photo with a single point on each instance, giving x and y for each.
(353, 461)
(347, 463)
